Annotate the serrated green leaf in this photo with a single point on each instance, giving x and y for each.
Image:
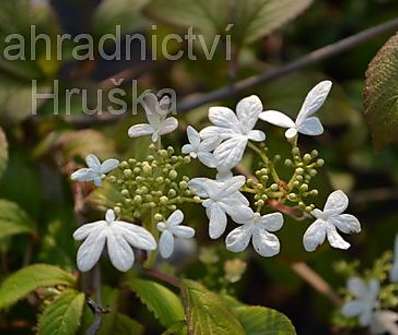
(251, 19)
(258, 320)
(3, 152)
(125, 325)
(62, 317)
(30, 278)
(165, 304)
(14, 220)
(381, 94)
(125, 13)
(207, 313)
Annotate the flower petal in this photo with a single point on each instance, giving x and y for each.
(334, 238)
(225, 118)
(167, 126)
(394, 273)
(352, 308)
(183, 231)
(217, 221)
(347, 223)
(209, 144)
(357, 287)
(93, 162)
(85, 174)
(314, 100)
(256, 136)
(109, 165)
(119, 251)
(248, 110)
(141, 129)
(336, 203)
(200, 186)
(207, 159)
(290, 133)
(272, 222)
(91, 249)
(277, 118)
(175, 218)
(83, 231)
(230, 153)
(187, 148)
(238, 212)
(366, 317)
(216, 134)
(193, 136)
(311, 126)
(232, 185)
(314, 235)
(166, 244)
(239, 238)
(137, 236)
(265, 244)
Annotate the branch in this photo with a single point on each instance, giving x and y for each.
(197, 100)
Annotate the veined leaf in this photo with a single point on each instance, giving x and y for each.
(30, 278)
(125, 325)
(14, 220)
(62, 317)
(165, 304)
(3, 152)
(251, 19)
(258, 320)
(381, 94)
(207, 313)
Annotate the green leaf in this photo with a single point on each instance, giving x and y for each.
(207, 313)
(381, 94)
(124, 325)
(165, 304)
(259, 320)
(126, 13)
(14, 220)
(3, 152)
(251, 19)
(30, 278)
(62, 317)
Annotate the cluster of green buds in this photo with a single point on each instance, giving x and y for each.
(268, 186)
(152, 187)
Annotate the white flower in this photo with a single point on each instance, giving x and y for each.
(223, 197)
(95, 171)
(158, 122)
(305, 123)
(171, 229)
(394, 268)
(365, 300)
(200, 149)
(384, 322)
(119, 237)
(328, 221)
(234, 130)
(257, 228)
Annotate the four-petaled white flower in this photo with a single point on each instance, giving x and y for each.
(328, 221)
(171, 229)
(201, 149)
(95, 171)
(234, 130)
(394, 268)
(222, 198)
(158, 122)
(305, 123)
(257, 228)
(119, 237)
(365, 300)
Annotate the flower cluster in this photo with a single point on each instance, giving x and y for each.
(370, 300)
(151, 191)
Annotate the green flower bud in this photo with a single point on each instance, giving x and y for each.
(173, 207)
(132, 161)
(164, 200)
(301, 205)
(112, 179)
(170, 150)
(307, 158)
(277, 158)
(159, 180)
(308, 209)
(150, 158)
(313, 172)
(187, 159)
(174, 159)
(137, 214)
(314, 153)
(320, 162)
(260, 203)
(163, 153)
(274, 187)
(172, 193)
(288, 162)
(292, 196)
(152, 147)
(296, 151)
(300, 171)
(296, 182)
(158, 217)
(124, 165)
(304, 188)
(197, 199)
(125, 192)
(183, 185)
(264, 197)
(117, 210)
(137, 170)
(138, 199)
(314, 193)
(173, 174)
(147, 169)
(128, 172)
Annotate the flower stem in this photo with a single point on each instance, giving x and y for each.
(268, 163)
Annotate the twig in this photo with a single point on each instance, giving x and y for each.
(197, 100)
(316, 281)
(98, 311)
(173, 281)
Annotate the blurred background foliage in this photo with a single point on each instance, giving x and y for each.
(37, 208)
